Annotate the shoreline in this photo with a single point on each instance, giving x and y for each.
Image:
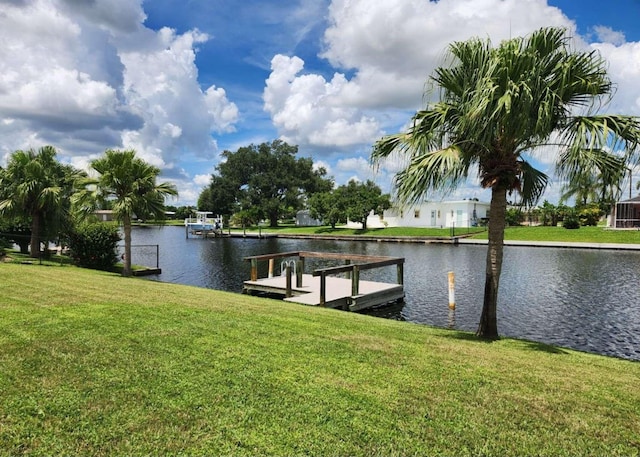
(458, 240)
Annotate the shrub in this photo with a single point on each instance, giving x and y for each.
(514, 216)
(94, 245)
(590, 215)
(571, 220)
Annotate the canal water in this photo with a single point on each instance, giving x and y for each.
(578, 298)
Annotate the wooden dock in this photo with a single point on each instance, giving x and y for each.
(322, 287)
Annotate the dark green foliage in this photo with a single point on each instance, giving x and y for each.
(35, 189)
(362, 198)
(15, 230)
(571, 219)
(95, 245)
(327, 207)
(266, 179)
(514, 216)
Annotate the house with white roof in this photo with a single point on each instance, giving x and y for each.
(461, 213)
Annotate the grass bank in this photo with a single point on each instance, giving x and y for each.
(96, 364)
(583, 234)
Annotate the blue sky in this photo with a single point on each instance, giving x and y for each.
(182, 81)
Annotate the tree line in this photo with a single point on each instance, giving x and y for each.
(46, 201)
(268, 182)
(43, 200)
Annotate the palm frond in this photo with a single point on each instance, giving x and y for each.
(533, 183)
(442, 170)
(589, 138)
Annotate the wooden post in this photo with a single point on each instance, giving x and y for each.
(347, 274)
(400, 272)
(299, 268)
(254, 269)
(452, 290)
(323, 288)
(271, 264)
(288, 291)
(355, 281)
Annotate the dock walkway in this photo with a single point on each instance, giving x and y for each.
(323, 288)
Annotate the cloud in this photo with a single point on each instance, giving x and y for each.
(608, 35)
(624, 71)
(202, 180)
(88, 75)
(160, 84)
(306, 111)
(385, 51)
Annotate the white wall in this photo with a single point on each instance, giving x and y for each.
(430, 214)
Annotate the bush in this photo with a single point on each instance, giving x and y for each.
(590, 215)
(514, 216)
(571, 220)
(94, 245)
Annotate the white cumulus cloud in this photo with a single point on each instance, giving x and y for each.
(86, 76)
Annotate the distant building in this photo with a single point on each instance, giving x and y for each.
(104, 215)
(627, 214)
(463, 213)
(304, 219)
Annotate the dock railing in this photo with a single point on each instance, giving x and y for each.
(351, 268)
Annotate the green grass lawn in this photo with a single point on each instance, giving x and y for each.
(583, 234)
(95, 364)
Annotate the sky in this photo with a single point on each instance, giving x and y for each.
(181, 81)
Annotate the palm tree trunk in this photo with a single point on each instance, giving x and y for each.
(35, 235)
(126, 222)
(488, 327)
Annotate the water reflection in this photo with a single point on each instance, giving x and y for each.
(584, 299)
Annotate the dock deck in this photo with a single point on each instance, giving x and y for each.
(323, 288)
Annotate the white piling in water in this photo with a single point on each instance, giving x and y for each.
(452, 290)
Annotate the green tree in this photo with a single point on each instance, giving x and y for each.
(129, 183)
(514, 216)
(359, 199)
(549, 214)
(267, 179)
(498, 105)
(327, 207)
(36, 188)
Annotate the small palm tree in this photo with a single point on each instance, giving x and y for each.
(129, 184)
(497, 107)
(36, 186)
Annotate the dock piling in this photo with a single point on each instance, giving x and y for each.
(288, 292)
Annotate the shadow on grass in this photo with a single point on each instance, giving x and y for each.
(527, 344)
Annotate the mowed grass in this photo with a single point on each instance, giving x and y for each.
(523, 233)
(581, 235)
(95, 364)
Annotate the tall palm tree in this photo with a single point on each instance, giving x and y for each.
(35, 186)
(497, 107)
(129, 184)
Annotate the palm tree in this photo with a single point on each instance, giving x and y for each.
(584, 189)
(35, 185)
(497, 107)
(129, 184)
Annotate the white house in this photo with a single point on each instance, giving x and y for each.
(463, 213)
(304, 219)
